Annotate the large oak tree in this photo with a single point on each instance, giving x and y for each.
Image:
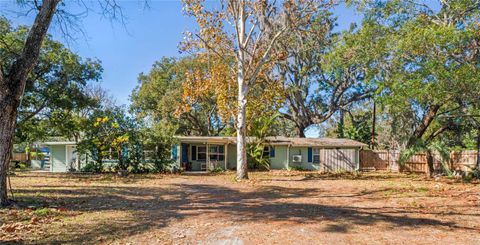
(14, 74)
(244, 34)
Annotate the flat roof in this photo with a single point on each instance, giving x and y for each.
(277, 140)
(58, 143)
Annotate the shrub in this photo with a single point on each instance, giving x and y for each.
(216, 170)
(42, 212)
(297, 168)
(21, 166)
(92, 167)
(255, 157)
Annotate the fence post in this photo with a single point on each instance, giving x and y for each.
(388, 161)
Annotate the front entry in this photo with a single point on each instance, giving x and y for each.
(185, 162)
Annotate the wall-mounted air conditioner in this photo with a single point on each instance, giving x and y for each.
(297, 158)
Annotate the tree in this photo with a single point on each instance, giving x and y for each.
(110, 132)
(358, 126)
(431, 73)
(247, 48)
(57, 85)
(14, 75)
(13, 78)
(261, 128)
(320, 77)
(158, 97)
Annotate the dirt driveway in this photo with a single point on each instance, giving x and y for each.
(272, 208)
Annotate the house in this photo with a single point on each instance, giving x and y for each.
(198, 153)
(62, 156)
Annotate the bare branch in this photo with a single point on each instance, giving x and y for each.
(265, 56)
(249, 35)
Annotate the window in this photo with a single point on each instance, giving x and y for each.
(266, 151)
(194, 153)
(201, 153)
(316, 155)
(216, 153)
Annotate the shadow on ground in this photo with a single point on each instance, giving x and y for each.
(157, 207)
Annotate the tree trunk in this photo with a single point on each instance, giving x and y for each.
(7, 130)
(430, 170)
(242, 166)
(374, 122)
(300, 131)
(478, 150)
(12, 86)
(422, 128)
(341, 125)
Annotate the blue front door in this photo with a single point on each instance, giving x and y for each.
(184, 153)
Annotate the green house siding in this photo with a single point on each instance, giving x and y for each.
(58, 158)
(280, 159)
(330, 159)
(232, 157)
(197, 165)
(304, 164)
(178, 157)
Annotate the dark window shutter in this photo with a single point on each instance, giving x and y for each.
(194, 153)
(272, 151)
(310, 154)
(174, 152)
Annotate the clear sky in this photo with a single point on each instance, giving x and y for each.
(149, 34)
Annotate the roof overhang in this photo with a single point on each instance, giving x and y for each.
(206, 139)
(57, 143)
(294, 142)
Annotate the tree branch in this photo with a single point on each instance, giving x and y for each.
(1, 74)
(34, 113)
(265, 56)
(24, 64)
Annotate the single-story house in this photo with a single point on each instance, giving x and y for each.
(198, 153)
(62, 156)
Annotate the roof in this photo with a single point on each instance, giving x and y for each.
(58, 143)
(277, 140)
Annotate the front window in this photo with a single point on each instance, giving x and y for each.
(202, 153)
(217, 153)
(266, 151)
(316, 155)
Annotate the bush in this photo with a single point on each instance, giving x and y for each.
(92, 167)
(21, 166)
(216, 170)
(296, 168)
(255, 157)
(42, 212)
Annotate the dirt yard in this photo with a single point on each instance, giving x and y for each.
(272, 208)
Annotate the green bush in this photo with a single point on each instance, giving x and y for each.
(297, 168)
(42, 212)
(216, 170)
(255, 157)
(92, 167)
(21, 166)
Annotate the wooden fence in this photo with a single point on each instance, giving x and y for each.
(18, 157)
(389, 161)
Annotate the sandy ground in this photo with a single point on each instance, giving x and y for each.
(272, 208)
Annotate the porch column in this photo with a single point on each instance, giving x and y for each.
(208, 156)
(225, 154)
(288, 156)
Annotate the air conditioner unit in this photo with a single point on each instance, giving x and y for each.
(297, 158)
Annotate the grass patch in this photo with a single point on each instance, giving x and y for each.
(42, 212)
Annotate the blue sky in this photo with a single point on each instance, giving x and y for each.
(149, 34)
